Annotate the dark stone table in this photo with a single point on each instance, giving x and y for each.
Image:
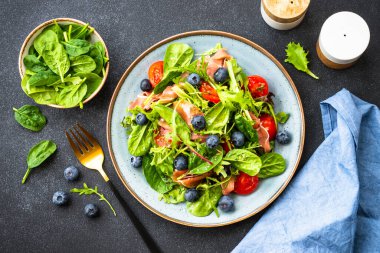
(29, 222)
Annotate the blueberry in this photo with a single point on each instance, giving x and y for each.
(145, 85)
(180, 162)
(71, 173)
(198, 122)
(194, 79)
(191, 195)
(220, 75)
(91, 210)
(238, 139)
(226, 204)
(283, 137)
(136, 161)
(60, 198)
(141, 119)
(212, 141)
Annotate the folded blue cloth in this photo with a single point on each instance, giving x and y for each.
(333, 204)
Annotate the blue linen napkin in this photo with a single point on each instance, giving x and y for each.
(333, 204)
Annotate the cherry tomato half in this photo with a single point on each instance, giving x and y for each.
(258, 86)
(209, 93)
(245, 184)
(269, 124)
(155, 72)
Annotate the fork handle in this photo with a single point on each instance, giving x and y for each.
(150, 243)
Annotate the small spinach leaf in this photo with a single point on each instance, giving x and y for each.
(153, 177)
(206, 203)
(92, 80)
(56, 58)
(30, 117)
(204, 167)
(42, 78)
(140, 140)
(175, 196)
(76, 47)
(97, 56)
(72, 95)
(38, 154)
(246, 128)
(83, 64)
(244, 160)
(273, 164)
(217, 118)
(32, 63)
(282, 117)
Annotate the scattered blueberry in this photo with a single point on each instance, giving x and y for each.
(226, 204)
(180, 162)
(145, 85)
(136, 161)
(283, 137)
(141, 119)
(91, 210)
(220, 75)
(198, 122)
(60, 198)
(191, 195)
(212, 141)
(238, 139)
(71, 173)
(194, 79)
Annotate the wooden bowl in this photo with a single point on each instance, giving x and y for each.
(95, 36)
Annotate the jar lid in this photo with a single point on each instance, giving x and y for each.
(285, 11)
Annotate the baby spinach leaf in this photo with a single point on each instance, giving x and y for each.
(273, 164)
(38, 154)
(42, 78)
(57, 30)
(174, 196)
(102, 51)
(30, 117)
(246, 128)
(153, 177)
(92, 80)
(83, 64)
(32, 63)
(76, 47)
(244, 160)
(206, 203)
(217, 118)
(163, 159)
(282, 117)
(45, 40)
(140, 140)
(56, 58)
(72, 95)
(97, 56)
(204, 167)
(32, 51)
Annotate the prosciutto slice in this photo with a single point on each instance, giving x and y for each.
(189, 181)
(217, 61)
(262, 133)
(167, 96)
(229, 186)
(187, 111)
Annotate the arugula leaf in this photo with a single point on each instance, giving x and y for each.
(273, 164)
(163, 158)
(175, 196)
(246, 128)
(282, 117)
(152, 176)
(140, 140)
(297, 56)
(30, 117)
(244, 160)
(38, 154)
(216, 158)
(206, 203)
(217, 118)
(213, 50)
(89, 191)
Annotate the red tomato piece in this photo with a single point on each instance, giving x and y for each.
(245, 184)
(258, 86)
(269, 124)
(155, 72)
(209, 93)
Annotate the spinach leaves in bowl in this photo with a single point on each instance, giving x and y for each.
(64, 66)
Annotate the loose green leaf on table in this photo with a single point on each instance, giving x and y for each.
(89, 191)
(30, 117)
(297, 56)
(38, 154)
(273, 164)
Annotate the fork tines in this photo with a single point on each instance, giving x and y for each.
(80, 140)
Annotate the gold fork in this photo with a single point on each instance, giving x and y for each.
(90, 154)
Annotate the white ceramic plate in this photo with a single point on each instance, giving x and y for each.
(254, 60)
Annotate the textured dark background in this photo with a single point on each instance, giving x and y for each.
(29, 222)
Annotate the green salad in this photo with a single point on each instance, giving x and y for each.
(63, 67)
(203, 131)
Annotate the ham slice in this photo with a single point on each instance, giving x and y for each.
(187, 111)
(163, 137)
(201, 137)
(139, 101)
(189, 181)
(217, 61)
(262, 133)
(167, 96)
(229, 186)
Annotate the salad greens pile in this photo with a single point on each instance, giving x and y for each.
(63, 67)
(209, 169)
